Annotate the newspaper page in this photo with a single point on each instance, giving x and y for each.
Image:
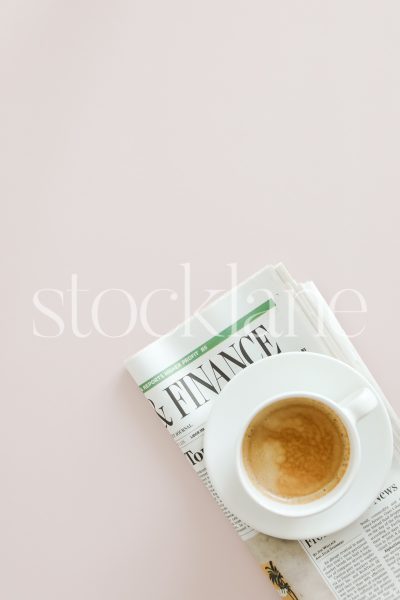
(182, 373)
(362, 561)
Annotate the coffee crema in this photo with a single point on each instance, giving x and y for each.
(296, 450)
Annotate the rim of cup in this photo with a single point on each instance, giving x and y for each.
(291, 509)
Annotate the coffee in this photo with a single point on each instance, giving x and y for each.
(296, 450)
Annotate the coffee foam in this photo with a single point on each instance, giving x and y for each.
(296, 450)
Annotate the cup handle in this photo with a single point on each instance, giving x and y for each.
(360, 403)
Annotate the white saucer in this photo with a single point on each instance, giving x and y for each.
(285, 374)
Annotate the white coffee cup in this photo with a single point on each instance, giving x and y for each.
(350, 411)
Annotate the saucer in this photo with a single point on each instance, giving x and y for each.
(286, 374)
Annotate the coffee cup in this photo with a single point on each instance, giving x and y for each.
(298, 454)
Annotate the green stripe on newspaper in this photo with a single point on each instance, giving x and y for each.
(207, 346)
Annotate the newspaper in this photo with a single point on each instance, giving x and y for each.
(183, 372)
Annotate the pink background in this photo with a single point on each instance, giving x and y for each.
(137, 136)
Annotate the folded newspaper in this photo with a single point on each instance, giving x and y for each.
(184, 371)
